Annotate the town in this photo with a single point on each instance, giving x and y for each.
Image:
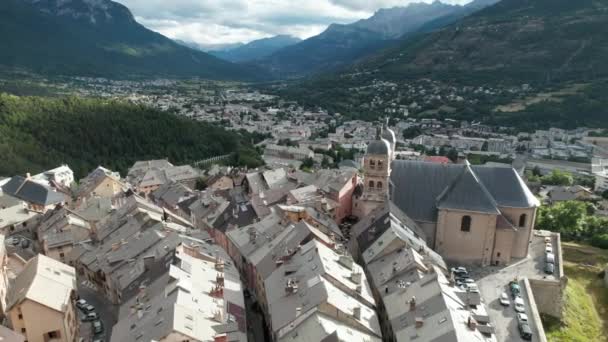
(386, 231)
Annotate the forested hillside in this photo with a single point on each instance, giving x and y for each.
(40, 133)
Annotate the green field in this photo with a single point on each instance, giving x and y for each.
(586, 306)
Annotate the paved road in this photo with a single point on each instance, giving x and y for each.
(107, 312)
(503, 318)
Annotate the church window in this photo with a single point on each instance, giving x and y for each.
(465, 224)
(522, 220)
(371, 184)
(379, 185)
(372, 163)
(380, 164)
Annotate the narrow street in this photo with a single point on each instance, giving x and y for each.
(108, 312)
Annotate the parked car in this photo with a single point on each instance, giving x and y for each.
(525, 332)
(460, 272)
(549, 268)
(97, 327)
(91, 316)
(88, 308)
(81, 303)
(462, 281)
(522, 318)
(550, 257)
(548, 249)
(547, 239)
(470, 287)
(504, 299)
(13, 240)
(515, 290)
(519, 305)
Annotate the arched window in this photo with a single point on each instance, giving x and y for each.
(465, 224)
(371, 184)
(522, 220)
(372, 163)
(379, 185)
(380, 165)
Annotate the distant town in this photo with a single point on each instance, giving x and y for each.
(396, 230)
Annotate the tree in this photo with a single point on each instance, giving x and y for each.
(307, 164)
(557, 177)
(411, 132)
(201, 184)
(567, 218)
(325, 162)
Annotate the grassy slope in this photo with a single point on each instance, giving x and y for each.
(586, 308)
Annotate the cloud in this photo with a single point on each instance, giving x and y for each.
(231, 21)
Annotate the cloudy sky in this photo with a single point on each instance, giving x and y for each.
(230, 21)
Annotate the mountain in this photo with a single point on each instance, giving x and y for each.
(256, 49)
(515, 41)
(557, 48)
(341, 45)
(97, 38)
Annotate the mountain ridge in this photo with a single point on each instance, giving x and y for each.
(256, 49)
(98, 38)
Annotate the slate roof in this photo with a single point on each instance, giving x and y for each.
(32, 192)
(420, 187)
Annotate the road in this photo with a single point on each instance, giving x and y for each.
(107, 311)
(503, 318)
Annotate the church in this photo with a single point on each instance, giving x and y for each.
(480, 215)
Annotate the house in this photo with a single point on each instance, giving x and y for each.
(220, 183)
(570, 193)
(335, 188)
(14, 214)
(413, 296)
(288, 152)
(38, 197)
(101, 182)
(59, 230)
(40, 302)
(61, 176)
(200, 298)
(258, 248)
(147, 176)
(318, 294)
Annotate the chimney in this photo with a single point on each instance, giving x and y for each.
(291, 287)
(472, 323)
(359, 289)
(419, 322)
(355, 277)
(413, 303)
(357, 312)
(219, 279)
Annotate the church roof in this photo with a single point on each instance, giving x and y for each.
(420, 188)
(379, 147)
(467, 193)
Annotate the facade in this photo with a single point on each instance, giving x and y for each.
(4, 281)
(470, 214)
(40, 302)
(100, 183)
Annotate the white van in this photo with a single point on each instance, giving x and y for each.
(550, 258)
